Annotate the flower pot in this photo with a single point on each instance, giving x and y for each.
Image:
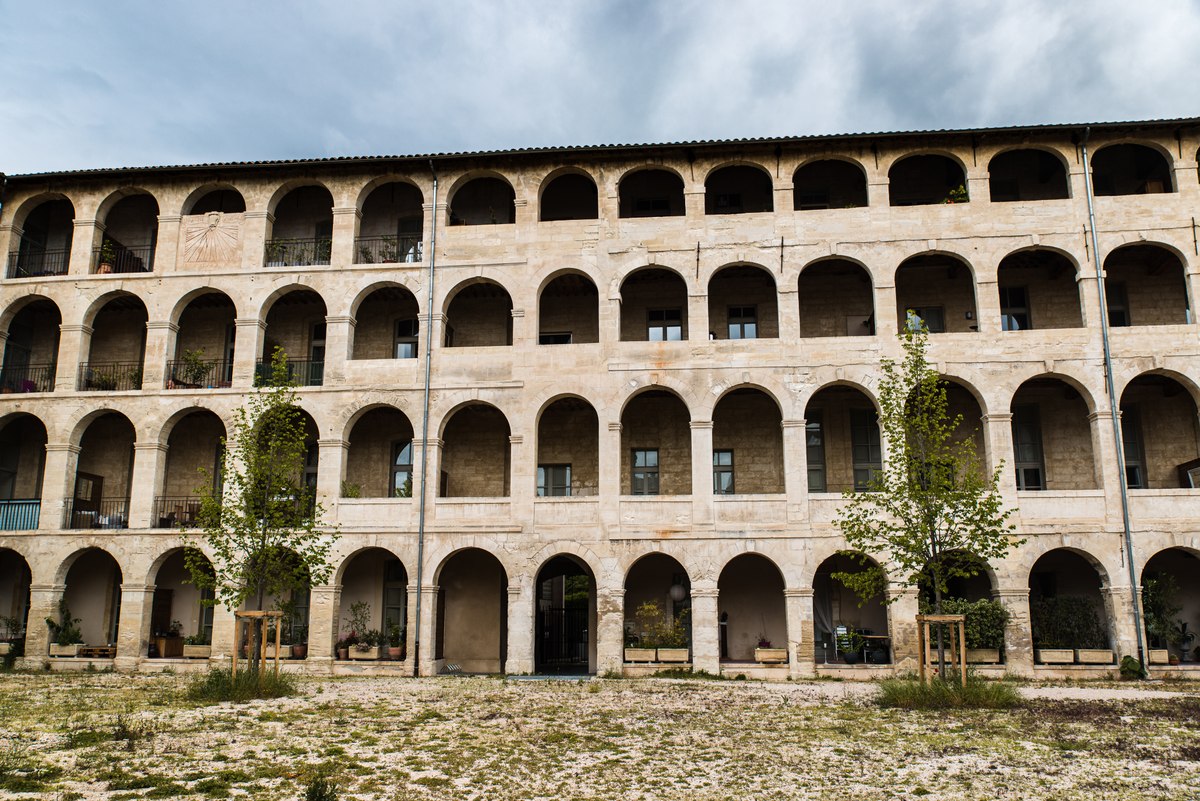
(1055, 656)
(851, 657)
(299, 651)
(639, 654)
(366, 654)
(672, 654)
(983, 656)
(197, 651)
(1159, 656)
(395, 652)
(65, 650)
(1094, 656)
(770, 655)
(343, 654)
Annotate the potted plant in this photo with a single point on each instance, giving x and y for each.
(1159, 609)
(276, 254)
(395, 651)
(984, 627)
(65, 636)
(366, 640)
(1067, 629)
(365, 256)
(193, 369)
(662, 632)
(368, 646)
(764, 653)
(343, 647)
(387, 250)
(1182, 639)
(851, 646)
(108, 257)
(351, 490)
(196, 646)
(635, 652)
(956, 195)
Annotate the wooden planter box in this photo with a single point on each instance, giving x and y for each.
(672, 654)
(983, 656)
(1160, 656)
(770, 655)
(640, 654)
(197, 651)
(5, 648)
(168, 647)
(65, 650)
(1094, 656)
(372, 653)
(1055, 656)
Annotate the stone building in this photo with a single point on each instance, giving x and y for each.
(651, 375)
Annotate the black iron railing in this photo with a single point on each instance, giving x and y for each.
(20, 514)
(28, 378)
(388, 249)
(122, 259)
(37, 263)
(302, 372)
(109, 376)
(175, 511)
(184, 374)
(297, 252)
(108, 513)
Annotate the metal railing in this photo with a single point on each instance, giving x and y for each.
(175, 511)
(29, 378)
(183, 374)
(297, 252)
(301, 372)
(388, 249)
(109, 376)
(121, 259)
(34, 264)
(20, 514)
(90, 514)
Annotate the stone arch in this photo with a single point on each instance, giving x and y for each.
(31, 204)
(1145, 283)
(567, 447)
(481, 198)
(845, 448)
(471, 618)
(1033, 292)
(925, 178)
(752, 607)
(476, 454)
(829, 182)
(1064, 574)
(575, 316)
(572, 191)
(747, 178)
(231, 196)
(1132, 168)
(651, 190)
(743, 302)
(931, 285)
(478, 314)
(1052, 435)
(1024, 173)
(286, 188)
(654, 305)
(1159, 431)
(838, 613)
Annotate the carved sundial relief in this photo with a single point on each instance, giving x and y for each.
(211, 237)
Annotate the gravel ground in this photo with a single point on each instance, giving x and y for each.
(98, 736)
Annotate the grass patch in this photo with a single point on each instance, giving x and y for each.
(943, 694)
(217, 686)
(687, 673)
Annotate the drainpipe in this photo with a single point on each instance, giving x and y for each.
(1115, 407)
(425, 428)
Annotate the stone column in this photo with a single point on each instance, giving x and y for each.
(345, 230)
(43, 603)
(522, 478)
(697, 318)
(1118, 603)
(519, 658)
(706, 630)
(1018, 634)
(256, 230)
(166, 250)
(324, 602)
(73, 346)
(609, 463)
(524, 216)
(249, 335)
(521, 333)
(222, 636)
(410, 628)
(84, 240)
(795, 468)
(437, 331)
(339, 336)
(878, 192)
(10, 238)
(429, 472)
(784, 195)
(702, 482)
(693, 207)
(610, 629)
(902, 626)
(987, 305)
(1089, 294)
(149, 470)
(801, 632)
(886, 321)
(133, 625)
(331, 466)
(998, 442)
(160, 341)
(979, 189)
(428, 633)
(1104, 460)
(789, 313)
(58, 486)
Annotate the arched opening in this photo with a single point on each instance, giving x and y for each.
(31, 349)
(568, 449)
(653, 306)
(294, 600)
(926, 180)
(224, 200)
(130, 236)
(22, 469)
(938, 289)
(1038, 290)
(842, 440)
(751, 607)
(194, 458)
(472, 613)
(738, 189)
(296, 325)
(15, 579)
(742, 304)
(379, 462)
(476, 454)
(961, 403)
(1067, 612)
(658, 609)
(975, 587)
(1145, 285)
(479, 316)
(300, 496)
(1130, 170)
(836, 300)
(565, 639)
(968, 591)
(181, 613)
(44, 246)
(103, 475)
(570, 196)
(656, 445)
(1052, 437)
(747, 444)
(1027, 175)
(375, 595)
(1171, 604)
(204, 345)
(848, 629)
(651, 193)
(302, 233)
(569, 311)
(93, 597)
(387, 325)
(117, 349)
(390, 230)
(829, 184)
(484, 201)
(1158, 431)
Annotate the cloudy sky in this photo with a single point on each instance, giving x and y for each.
(123, 83)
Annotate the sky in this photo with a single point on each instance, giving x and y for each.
(122, 83)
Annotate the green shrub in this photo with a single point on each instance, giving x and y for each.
(947, 694)
(1068, 621)
(321, 789)
(985, 621)
(1131, 669)
(219, 685)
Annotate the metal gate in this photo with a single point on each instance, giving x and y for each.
(563, 640)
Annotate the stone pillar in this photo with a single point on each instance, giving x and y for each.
(324, 602)
(345, 231)
(1104, 459)
(133, 625)
(801, 632)
(73, 346)
(521, 333)
(987, 305)
(519, 658)
(339, 337)
(902, 626)
(430, 472)
(693, 207)
(410, 627)
(522, 480)
(524, 216)
(43, 603)
(166, 250)
(697, 318)
(789, 313)
(783, 193)
(149, 471)
(886, 322)
(998, 442)
(610, 629)
(58, 487)
(878, 193)
(222, 636)
(84, 240)
(702, 482)
(979, 191)
(795, 468)
(331, 466)
(1089, 295)
(10, 238)
(1018, 634)
(609, 463)
(1118, 604)
(250, 332)
(1192, 279)
(609, 322)
(706, 630)
(428, 631)
(160, 341)
(437, 331)
(256, 230)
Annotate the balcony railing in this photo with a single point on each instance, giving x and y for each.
(183, 374)
(388, 249)
(121, 259)
(175, 511)
(35, 264)
(109, 376)
(29, 378)
(19, 514)
(297, 252)
(302, 373)
(90, 514)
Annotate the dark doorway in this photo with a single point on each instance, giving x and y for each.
(565, 613)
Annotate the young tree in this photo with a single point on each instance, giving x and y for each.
(260, 521)
(930, 514)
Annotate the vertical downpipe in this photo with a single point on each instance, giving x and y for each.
(425, 427)
(1115, 408)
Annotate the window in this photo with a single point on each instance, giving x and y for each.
(300, 604)
(864, 443)
(814, 439)
(402, 465)
(933, 317)
(395, 596)
(743, 322)
(665, 325)
(722, 472)
(555, 338)
(405, 346)
(1118, 304)
(645, 472)
(553, 480)
(1027, 448)
(1135, 455)
(1014, 309)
